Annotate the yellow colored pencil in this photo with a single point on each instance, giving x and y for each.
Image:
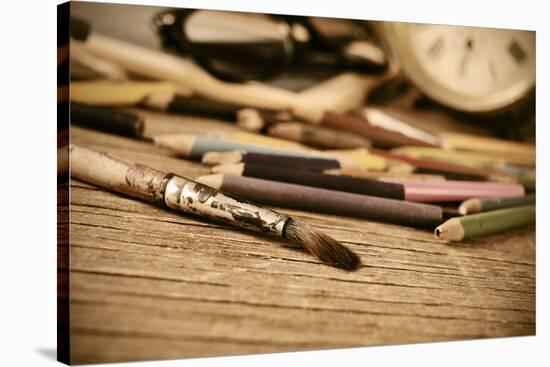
(485, 160)
(475, 143)
(109, 93)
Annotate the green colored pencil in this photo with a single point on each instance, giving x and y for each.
(458, 228)
(472, 206)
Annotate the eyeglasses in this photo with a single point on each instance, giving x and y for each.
(244, 46)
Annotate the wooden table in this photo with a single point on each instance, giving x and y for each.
(146, 283)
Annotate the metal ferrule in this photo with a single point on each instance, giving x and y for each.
(195, 198)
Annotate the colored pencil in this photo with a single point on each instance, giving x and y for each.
(474, 143)
(527, 176)
(194, 106)
(118, 94)
(315, 179)
(386, 120)
(518, 171)
(482, 160)
(277, 160)
(449, 190)
(317, 136)
(161, 96)
(326, 201)
(473, 206)
(107, 119)
(195, 146)
(449, 170)
(327, 165)
(459, 228)
(380, 175)
(380, 137)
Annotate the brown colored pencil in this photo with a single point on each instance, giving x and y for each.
(380, 137)
(355, 185)
(326, 201)
(277, 160)
(317, 136)
(386, 120)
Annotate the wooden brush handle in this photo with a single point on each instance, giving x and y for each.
(114, 174)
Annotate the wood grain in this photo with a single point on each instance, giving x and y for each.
(146, 283)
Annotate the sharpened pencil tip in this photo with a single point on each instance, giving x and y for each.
(324, 247)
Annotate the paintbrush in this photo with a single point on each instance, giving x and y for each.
(182, 194)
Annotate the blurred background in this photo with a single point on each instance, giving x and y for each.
(479, 77)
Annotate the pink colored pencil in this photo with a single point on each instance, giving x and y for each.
(434, 191)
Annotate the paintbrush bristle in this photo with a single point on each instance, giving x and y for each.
(324, 247)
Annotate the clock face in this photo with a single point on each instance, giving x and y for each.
(469, 68)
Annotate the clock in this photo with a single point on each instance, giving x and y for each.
(469, 69)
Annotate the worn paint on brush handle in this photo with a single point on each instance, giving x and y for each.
(195, 198)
